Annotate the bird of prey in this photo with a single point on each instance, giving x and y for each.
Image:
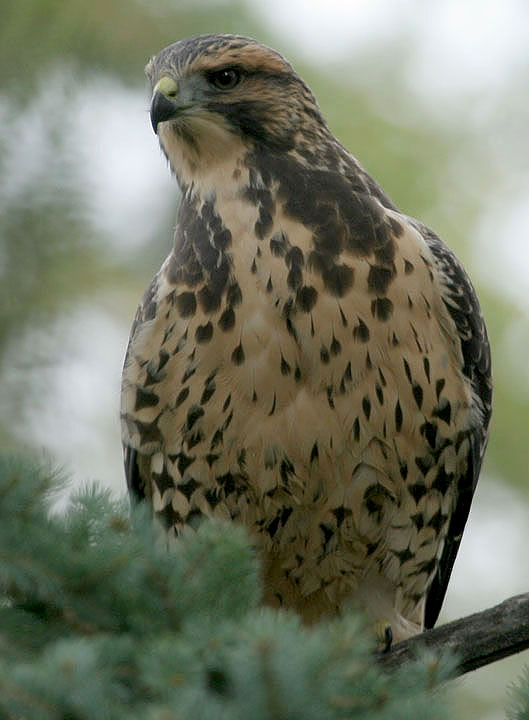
(309, 361)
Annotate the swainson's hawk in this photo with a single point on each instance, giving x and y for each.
(309, 361)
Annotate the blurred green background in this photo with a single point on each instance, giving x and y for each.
(431, 97)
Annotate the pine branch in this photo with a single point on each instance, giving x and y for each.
(476, 640)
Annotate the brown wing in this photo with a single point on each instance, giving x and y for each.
(462, 304)
(135, 482)
(136, 485)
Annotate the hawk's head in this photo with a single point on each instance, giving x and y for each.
(218, 94)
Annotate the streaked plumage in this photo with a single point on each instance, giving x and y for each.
(308, 361)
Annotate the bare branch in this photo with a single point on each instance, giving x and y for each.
(477, 640)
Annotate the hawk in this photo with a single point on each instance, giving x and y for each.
(309, 361)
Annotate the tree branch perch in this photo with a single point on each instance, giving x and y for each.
(477, 640)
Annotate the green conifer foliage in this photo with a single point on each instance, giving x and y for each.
(518, 708)
(97, 620)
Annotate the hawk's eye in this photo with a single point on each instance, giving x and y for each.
(225, 79)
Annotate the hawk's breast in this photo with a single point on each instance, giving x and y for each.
(324, 422)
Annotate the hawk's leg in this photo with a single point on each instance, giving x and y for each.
(384, 635)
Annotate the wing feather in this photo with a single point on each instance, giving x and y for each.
(463, 306)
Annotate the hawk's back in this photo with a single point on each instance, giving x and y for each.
(308, 361)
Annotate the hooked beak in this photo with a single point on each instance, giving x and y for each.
(164, 105)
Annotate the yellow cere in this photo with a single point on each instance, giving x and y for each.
(167, 86)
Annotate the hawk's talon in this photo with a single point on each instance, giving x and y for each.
(384, 634)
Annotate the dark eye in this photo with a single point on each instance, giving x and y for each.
(225, 79)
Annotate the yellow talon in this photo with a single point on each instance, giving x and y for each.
(384, 634)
